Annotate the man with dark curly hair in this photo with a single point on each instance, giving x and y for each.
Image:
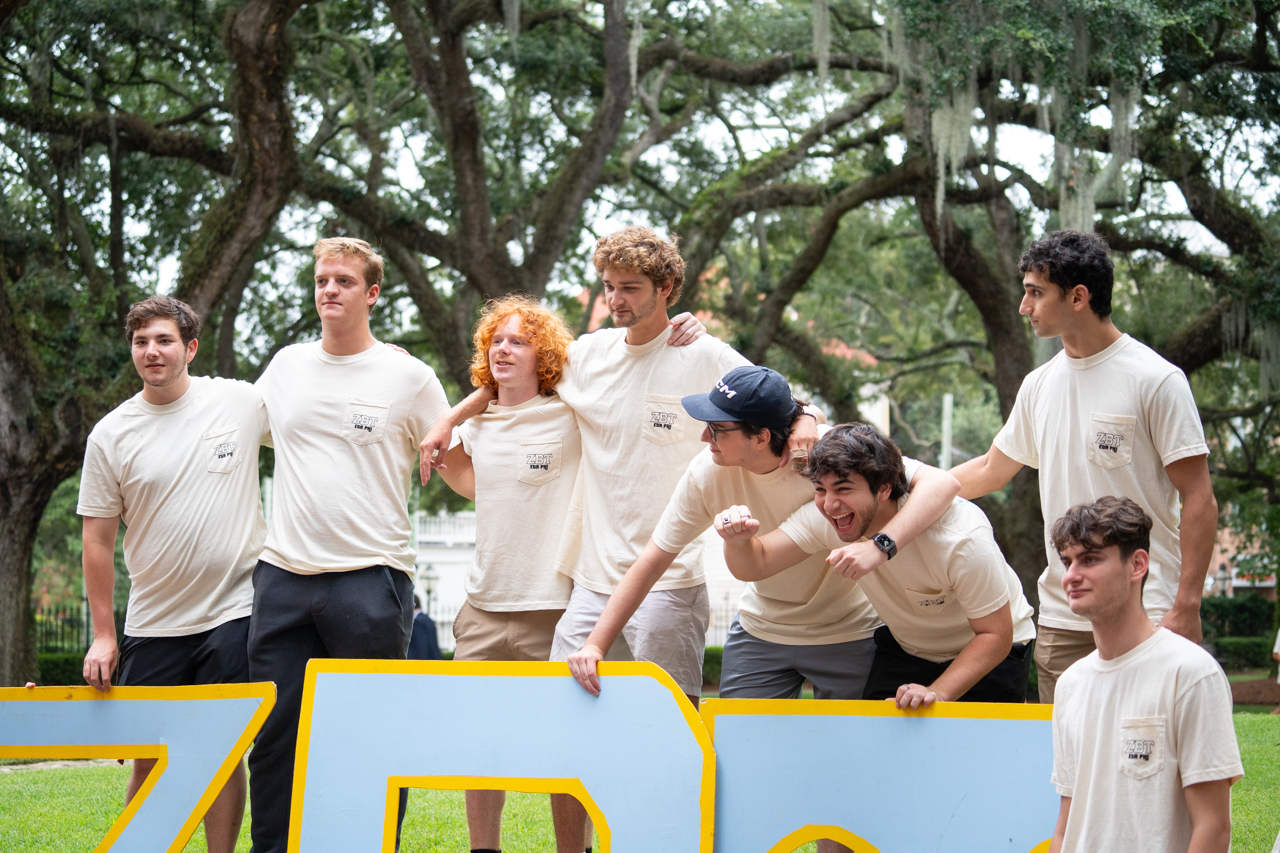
(518, 460)
(1106, 416)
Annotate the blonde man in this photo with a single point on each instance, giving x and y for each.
(335, 577)
(518, 460)
(178, 462)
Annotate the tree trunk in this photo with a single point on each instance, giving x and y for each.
(24, 492)
(1018, 523)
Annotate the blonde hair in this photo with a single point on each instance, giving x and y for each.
(641, 250)
(350, 247)
(544, 328)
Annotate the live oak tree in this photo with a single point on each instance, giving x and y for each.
(845, 211)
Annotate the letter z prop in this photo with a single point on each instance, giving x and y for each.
(197, 734)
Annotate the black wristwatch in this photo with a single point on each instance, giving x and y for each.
(885, 543)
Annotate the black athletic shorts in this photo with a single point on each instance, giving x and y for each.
(217, 656)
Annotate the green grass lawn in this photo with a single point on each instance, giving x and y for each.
(69, 810)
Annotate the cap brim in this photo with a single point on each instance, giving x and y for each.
(700, 407)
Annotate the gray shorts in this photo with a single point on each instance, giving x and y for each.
(758, 669)
(669, 628)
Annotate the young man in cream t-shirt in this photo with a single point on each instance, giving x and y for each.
(625, 386)
(956, 622)
(178, 463)
(1144, 748)
(519, 461)
(806, 622)
(335, 578)
(1106, 416)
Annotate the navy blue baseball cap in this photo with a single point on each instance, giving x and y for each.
(755, 395)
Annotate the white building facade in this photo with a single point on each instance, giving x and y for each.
(446, 543)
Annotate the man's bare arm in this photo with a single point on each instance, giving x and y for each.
(635, 585)
(750, 558)
(993, 637)
(432, 449)
(99, 562)
(988, 473)
(1199, 525)
(1209, 807)
(932, 491)
(458, 472)
(1060, 831)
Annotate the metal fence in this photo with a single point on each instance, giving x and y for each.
(67, 630)
(443, 615)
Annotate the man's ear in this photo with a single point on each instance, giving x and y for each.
(664, 289)
(371, 295)
(191, 349)
(882, 494)
(1139, 564)
(1079, 297)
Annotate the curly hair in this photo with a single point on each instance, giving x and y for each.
(549, 334)
(1068, 258)
(349, 247)
(641, 250)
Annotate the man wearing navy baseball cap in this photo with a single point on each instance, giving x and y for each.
(807, 621)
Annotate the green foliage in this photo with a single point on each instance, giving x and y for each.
(61, 669)
(1241, 616)
(1244, 652)
(712, 660)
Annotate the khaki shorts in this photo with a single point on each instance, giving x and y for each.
(669, 628)
(1057, 649)
(517, 635)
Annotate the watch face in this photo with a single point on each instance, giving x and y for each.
(884, 542)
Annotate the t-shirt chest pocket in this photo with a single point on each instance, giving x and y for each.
(930, 602)
(222, 449)
(366, 421)
(539, 460)
(663, 419)
(1141, 746)
(1111, 439)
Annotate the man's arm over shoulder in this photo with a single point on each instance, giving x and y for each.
(932, 491)
(1014, 446)
(985, 474)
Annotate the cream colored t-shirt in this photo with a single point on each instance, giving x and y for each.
(1106, 425)
(346, 431)
(184, 479)
(807, 604)
(637, 441)
(1130, 733)
(951, 573)
(526, 460)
